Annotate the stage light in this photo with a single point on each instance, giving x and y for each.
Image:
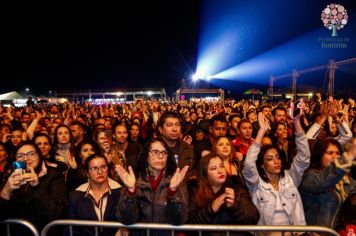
(149, 93)
(195, 77)
(209, 77)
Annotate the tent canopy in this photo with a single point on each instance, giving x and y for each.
(11, 96)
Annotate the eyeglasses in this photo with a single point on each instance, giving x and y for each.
(158, 152)
(96, 169)
(30, 155)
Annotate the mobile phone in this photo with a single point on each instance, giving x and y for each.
(19, 165)
(294, 108)
(20, 168)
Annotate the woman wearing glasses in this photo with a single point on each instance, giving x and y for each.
(37, 193)
(96, 199)
(158, 195)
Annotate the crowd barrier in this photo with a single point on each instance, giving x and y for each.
(28, 225)
(200, 228)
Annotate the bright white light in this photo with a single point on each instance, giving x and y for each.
(119, 94)
(195, 77)
(149, 93)
(209, 77)
(201, 73)
(27, 89)
(310, 94)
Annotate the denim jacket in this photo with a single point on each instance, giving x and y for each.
(263, 196)
(320, 197)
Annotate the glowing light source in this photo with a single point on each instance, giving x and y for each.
(149, 93)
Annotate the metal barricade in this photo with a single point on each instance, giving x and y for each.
(199, 228)
(28, 225)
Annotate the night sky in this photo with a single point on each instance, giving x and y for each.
(66, 45)
(57, 45)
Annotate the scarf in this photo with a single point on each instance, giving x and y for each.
(340, 187)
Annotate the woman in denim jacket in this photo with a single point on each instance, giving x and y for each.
(327, 184)
(274, 189)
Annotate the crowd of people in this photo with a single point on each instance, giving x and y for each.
(227, 162)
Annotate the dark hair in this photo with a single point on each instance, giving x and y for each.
(204, 193)
(168, 114)
(5, 149)
(347, 212)
(79, 124)
(260, 159)
(97, 132)
(79, 147)
(232, 117)
(171, 164)
(120, 124)
(218, 118)
(38, 151)
(278, 108)
(319, 150)
(55, 140)
(51, 154)
(91, 157)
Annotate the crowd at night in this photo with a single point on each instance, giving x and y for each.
(108, 115)
(224, 162)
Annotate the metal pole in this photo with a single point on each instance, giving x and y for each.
(294, 84)
(332, 67)
(271, 81)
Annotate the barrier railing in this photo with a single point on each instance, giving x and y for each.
(199, 228)
(28, 225)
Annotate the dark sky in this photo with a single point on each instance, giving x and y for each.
(67, 45)
(60, 45)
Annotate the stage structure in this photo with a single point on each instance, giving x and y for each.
(120, 95)
(219, 92)
(332, 66)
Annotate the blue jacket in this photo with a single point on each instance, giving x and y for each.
(320, 198)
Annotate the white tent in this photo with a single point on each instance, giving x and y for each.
(11, 96)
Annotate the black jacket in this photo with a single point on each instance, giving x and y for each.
(81, 207)
(40, 204)
(243, 212)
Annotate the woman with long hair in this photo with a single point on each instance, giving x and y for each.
(36, 193)
(220, 199)
(44, 143)
(326, 184)
(63, 146)
(223, 147)
(274, 189)
(78, 176)
(285, 143)
(5, 164)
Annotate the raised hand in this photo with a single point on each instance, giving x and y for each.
(229, 197)
(178, 177)
(31, 177)
(128, 178)
(351, 153)
(71, 160)
(188, 139)
(263, 121)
